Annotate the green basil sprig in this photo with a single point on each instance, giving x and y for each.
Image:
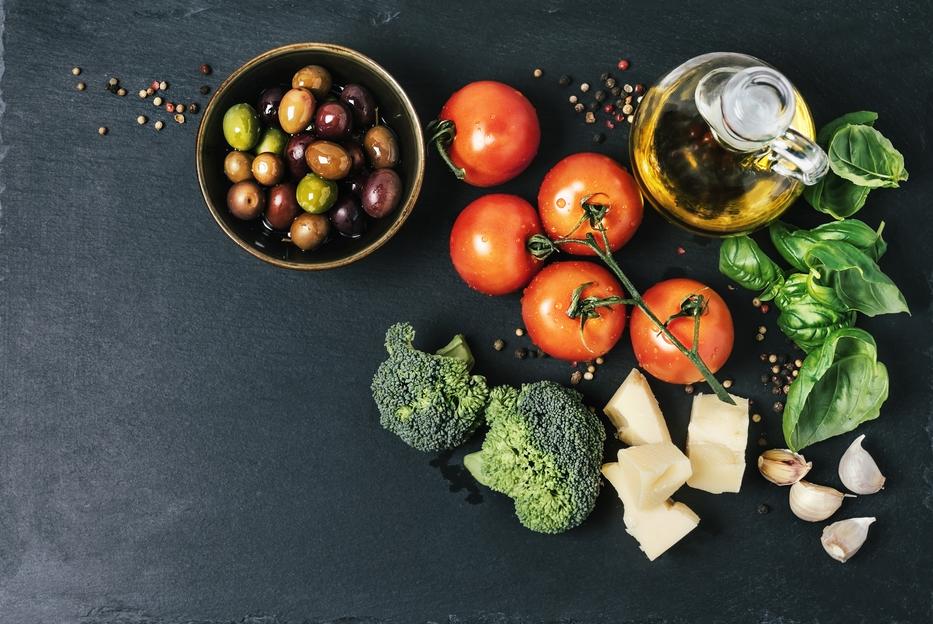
(862, 159)
(844, 277)
(805, 320)
(743, 261)
(794, 243)
(840, 385)
(865, 157)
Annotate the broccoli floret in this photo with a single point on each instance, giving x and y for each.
(428, 400)
(543, 449)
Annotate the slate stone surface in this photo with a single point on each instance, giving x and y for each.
(186, 434)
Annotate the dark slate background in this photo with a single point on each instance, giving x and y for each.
(186, 434)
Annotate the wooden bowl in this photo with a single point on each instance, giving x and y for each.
(276, 67)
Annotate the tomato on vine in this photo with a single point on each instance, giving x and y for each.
(487, 133)
(574, 310)
(488, 244)
(678, 302)
(587, 190)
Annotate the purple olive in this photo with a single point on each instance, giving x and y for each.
(347, 217)
(381, 193)
(355, 182)
(295, 154)
(357, 157)
(361, 102)
(333, 121)
(268, 105)
(282, 206)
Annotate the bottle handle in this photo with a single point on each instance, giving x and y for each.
(795, 156)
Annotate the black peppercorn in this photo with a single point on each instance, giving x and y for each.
(204, 89)
(763, 509)
(564, 80)
(521, 353)
(599, 96)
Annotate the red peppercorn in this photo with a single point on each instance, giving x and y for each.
(608, 108)
(764, 308)
(154, 85)
(609, 124)
(639, 89)
(681, 251)
(623, 64)
(619, 117)
(206, 69)
(169, 107)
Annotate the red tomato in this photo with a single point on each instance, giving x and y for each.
(596, 179)
(487, 244)
(544, 311)
(497, 132)
(657, 355)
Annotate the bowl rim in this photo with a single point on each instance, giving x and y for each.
(419, 157)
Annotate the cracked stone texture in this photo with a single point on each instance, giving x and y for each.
(186, 434)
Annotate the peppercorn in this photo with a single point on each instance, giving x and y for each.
(639, 89)
(193, 107)
(775, 369)
(143, 94)
(592, 106)
(610, 82)
(608, 108)
(622, 64)
(519, 332)
(798, 362)
(616, 91)
(772, 358)
(204, 89)
(628, 109)
(603, 77)
(180, 108)
(599, 96)
(80, 86)
(206, 69)
(688, 388)
(756, 418)
(578, 107)
(521, 353)
(564, 80)
(630, 118)
(113, 82)
(180, 118)
(157, 101)
(759, 337)
(141, 120)
(756, 302)
(150, 91)
(75, 71)
(590, 117)
(727, 383)
(159, 125)
(599, 361)
(762, 441)
(610, 124)
(154, 85)
(763, 509)
(765, 308)
(573, 99)
(499, 344)
(588, 376)
(169, 107)
(628, 99)
(628, 88)
(585, 87)
(537, 73)
(619, 117)
(121, 92)
(163, 86)
(102, 130)
(598, 138)
(591, 369)
(575, 377)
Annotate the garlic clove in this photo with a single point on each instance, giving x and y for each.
(842, 539)
(858, 470)
(783, 466)
(813, 502)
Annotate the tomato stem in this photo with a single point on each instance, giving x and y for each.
(442, 132)
(541, 247)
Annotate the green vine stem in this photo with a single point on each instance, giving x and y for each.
(541, 247)
(442, 132)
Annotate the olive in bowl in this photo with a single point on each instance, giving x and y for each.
(353, 234)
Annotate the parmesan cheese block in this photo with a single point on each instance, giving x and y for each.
(635, 413)
(655, 528)
(716, 439)
(653, 472)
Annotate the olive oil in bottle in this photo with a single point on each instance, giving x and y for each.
(723, 145)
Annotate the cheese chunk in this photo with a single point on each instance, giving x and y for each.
(659, 528)
(716, 440)
(635, 413)
(655, 528)
(653, 472)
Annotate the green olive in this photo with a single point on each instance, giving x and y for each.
(238, 166)
(315, 194)
(296, 110)
(241, 127)
(272, 140)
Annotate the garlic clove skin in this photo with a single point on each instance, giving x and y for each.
(813, 502)
(783, 466)
(843, 539)
(858, 470)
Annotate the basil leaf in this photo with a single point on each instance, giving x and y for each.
(836, 196)
(793, 243)
(844, 277)
(857, 118)
(865, 157)
(743, 261)
(840, 385)
(805, 320)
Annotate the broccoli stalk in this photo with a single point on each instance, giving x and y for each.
(429, 400)
(543, 449)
